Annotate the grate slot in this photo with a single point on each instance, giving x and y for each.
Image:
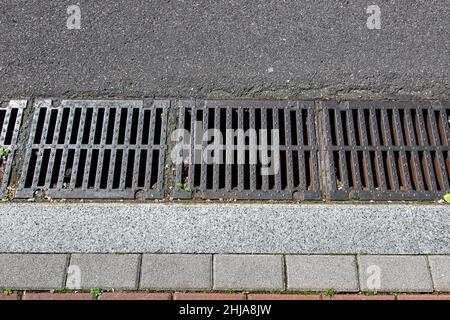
(343, 182)
(97, 150)
(92, 157)
(240, 173)
(428, 170)
(354, 139)
(290, 183)
(11, 120)
(387, 122)
(399, 136)
(367, 167)
(267, 182)
(393, 150)
(138, 162)
(54, 132)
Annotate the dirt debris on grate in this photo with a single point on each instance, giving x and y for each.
(246, 150)
(11, 119)
(386, 150)
(96, 150)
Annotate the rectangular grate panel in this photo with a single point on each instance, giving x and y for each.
(208, 171)
(10, 119)
(96, 149)
(386, 150)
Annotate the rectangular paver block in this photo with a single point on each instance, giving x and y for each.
(359, 297)
(8, 297)
(207, 296)
(135, 296)
(248, 272)
(268, 297)
(421, 297)
(320, 273)
(32, 271)
(176, 272)
(394, 273)
(106, 271)
(440, 272)
(57, 296)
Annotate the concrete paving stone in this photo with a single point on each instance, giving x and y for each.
(32, 271)
(394, 274)
(8, 297)
(57, 296)
(359, 297)
(105, 271)
(440, 272)
(176, 272)
(248, 272)
(207, 296)
(418, 297)
(268, 297)
(320, 273)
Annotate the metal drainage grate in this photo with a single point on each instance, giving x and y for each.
(386, 150)
(10, 118)
(96, 149)
(263, 168)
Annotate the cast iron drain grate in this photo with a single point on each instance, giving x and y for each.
(386, 150)
(246, 150)
(10, 118)
(96, 149)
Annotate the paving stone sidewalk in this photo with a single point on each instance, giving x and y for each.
(224, 273)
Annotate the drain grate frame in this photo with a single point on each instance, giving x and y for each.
(96, 149)
(11, 120)
(386, 150)
(298, 177)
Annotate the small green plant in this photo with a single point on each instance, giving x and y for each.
(184, 186)
(65, 290)
(7, 292)
(393, 294)
(330, 293)
(447, 198)
(309, 292)
(10, 194)
(229, 292)
(279, 292)
(4, 153)
(97, 292)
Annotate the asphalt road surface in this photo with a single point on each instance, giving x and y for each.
(224, 48)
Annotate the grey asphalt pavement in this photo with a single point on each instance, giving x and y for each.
(225, 48)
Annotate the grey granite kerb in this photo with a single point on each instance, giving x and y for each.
(225, 228)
